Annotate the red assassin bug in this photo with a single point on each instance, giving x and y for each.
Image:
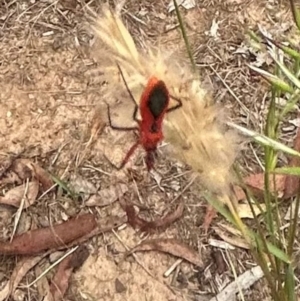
(153, 107)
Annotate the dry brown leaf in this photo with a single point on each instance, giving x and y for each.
(171, 246)
(107, 196)
(244, 210)
(61, 279)
(256, 183)
(239, 193)
(14, 196)
(21, 269)
(35, 241)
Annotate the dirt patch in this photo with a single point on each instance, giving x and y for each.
(51, 88)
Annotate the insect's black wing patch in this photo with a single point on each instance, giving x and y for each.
(158, 100)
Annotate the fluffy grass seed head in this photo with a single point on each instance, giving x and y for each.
(197, 131)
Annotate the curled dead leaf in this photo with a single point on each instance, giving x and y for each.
(25, 168)
(135, 221)
(171, 246)
(61, 279)
(14, 196)
(167, 220)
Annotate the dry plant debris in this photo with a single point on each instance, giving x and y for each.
(243, 282)
(21, 269)
(234, 239)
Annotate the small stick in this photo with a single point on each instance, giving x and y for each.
(170, 270)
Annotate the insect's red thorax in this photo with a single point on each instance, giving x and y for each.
(153, 106)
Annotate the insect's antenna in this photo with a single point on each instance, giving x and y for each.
(125, 83)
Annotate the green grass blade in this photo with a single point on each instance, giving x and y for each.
(292, 171)
(296, 14)
(255, 40)
(289, 51)
(64, 186)
(273, 80)
(290, 106)
(290, 284)
(184, 35)
(293, 225)
(286, 71)
(265, 141)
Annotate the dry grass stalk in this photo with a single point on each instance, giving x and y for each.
(197, 131)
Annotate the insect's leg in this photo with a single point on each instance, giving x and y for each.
(179, 104)
(127, 157)
(150, 159)
(119, 128)
(134, 116)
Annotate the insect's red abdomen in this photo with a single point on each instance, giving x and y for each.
(153, 106)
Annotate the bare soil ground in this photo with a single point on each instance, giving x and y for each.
(50, 90)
